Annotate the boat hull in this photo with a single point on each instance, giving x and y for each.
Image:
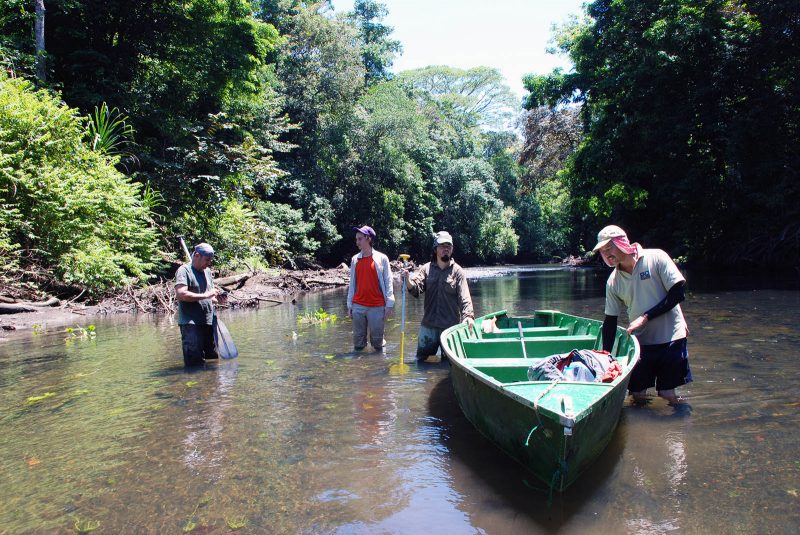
(554, 429)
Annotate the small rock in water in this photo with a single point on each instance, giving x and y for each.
(70, 508)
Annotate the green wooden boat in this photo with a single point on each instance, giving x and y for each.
(554, 428)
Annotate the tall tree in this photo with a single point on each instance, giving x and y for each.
(377, 49)
(41, 68)
(551, 137)
(480, 92)
(322, 78)
(387, 180)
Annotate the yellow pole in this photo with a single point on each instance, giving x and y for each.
(401, 365)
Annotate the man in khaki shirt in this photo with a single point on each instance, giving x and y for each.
(447, 297)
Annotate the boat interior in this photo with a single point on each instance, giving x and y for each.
(507, 346)
(515, 343)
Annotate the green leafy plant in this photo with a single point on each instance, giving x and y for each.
(236, 522)
(78, 217)
(85, 526)
(316, 317)
(108, 130)
(81, 333)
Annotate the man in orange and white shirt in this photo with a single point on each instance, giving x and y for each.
(370, 298)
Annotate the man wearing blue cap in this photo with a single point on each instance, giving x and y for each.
(370, 298)
(447, 298)
(196, 294)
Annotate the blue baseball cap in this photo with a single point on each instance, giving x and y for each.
(365, 230)
(204, 249)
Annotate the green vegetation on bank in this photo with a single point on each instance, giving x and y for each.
(269, 128)
(64, 206)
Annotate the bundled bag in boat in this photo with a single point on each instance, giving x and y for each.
(585, 365)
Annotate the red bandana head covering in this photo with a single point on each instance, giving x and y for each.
(624, 245)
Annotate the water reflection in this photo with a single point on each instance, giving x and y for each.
(205, 414)
(301, 435)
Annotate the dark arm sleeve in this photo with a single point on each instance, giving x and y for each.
(609, 332)
(675, 295)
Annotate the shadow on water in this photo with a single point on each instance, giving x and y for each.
(477, 464)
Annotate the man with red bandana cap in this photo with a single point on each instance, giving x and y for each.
(648, 283)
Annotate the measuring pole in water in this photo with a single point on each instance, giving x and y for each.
(401, 365)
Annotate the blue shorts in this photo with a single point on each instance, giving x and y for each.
(665, 366)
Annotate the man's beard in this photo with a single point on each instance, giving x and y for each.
(445, 258)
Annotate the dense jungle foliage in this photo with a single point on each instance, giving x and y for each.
(690, 114)
(270, 128)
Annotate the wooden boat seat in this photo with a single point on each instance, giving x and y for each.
(530, 332)
(535, 347)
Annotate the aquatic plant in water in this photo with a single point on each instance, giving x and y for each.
(81, 333)
(190, 525)
(36, 399)
(236, 522)
(85, 526)
(316, 317)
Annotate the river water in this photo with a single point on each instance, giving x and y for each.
(301, 435)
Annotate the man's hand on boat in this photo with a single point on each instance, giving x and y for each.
(471, 323)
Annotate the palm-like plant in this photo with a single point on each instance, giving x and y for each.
(109, 131)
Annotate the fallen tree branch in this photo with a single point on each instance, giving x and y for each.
(233, 279)
(259, 298)
(301, 280)
(27, 306)
(52, 302)
(9, 308)
(328, 282)
(138, 304)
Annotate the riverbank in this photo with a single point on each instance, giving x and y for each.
(245, 290)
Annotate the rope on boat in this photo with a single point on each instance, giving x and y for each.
(536, 411)
(561, 470)
(543, 394)
(562, 467)
(535, 427)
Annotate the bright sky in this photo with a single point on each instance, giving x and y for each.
(511, 35)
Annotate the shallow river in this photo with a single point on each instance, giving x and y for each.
(300, 435)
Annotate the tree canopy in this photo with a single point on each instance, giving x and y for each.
(271, 128)
(690, 111)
